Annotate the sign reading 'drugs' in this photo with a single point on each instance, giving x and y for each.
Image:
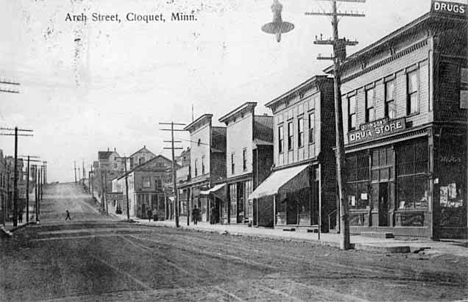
(376, 129)
(452, 8)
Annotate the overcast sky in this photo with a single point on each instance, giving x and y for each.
(90, 86)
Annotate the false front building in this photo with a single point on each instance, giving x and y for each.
(249, 158)
(405, 101)
(301, 188)
(207, 166)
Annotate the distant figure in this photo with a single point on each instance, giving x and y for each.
(149, 213)
(20, 216)
(195, 214)
(212, 215)
(68, 216)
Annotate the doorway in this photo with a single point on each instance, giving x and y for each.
(383, 204)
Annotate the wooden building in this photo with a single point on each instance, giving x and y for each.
(405, 101)
(301, 189)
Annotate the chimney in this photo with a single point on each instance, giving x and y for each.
(107, 149)
(115, 149)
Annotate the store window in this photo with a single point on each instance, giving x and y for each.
(382, 164)
(300, 132)
(352, 113)
(311, 127)
(412, 93)
(390, 103)
(290, 136)
(464, 88)
(358, 180)
(280, 139)
(370, 110)
(412, 179)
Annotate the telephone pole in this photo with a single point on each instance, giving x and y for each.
(74, 163)
(174, 172)
(15, 172)
(28, 173)
(339, 55)
(278, 27)
(124, 158)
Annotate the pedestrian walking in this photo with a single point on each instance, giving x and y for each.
(195, 214)
(68, 216)
(150, 214)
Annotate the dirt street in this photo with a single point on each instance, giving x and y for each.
(95, 258)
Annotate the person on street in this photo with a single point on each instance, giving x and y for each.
(20, 216)
(195, 213)
(212, 215)
(150, 214)
(68, 216)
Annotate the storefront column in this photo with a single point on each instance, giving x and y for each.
(274, 210)
(433, 205)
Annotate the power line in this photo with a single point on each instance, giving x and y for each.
(174, 175)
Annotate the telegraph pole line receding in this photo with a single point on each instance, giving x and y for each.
(339, 55)
(174, 172)
(15, 172)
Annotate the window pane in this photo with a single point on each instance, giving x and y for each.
(390, 89)
(421, 192)
(375, 158)
(413, 99)
(412, 82)
(370, 98)
(300, 132)
(352, 104)
(352, 124)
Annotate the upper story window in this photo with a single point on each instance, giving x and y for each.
(280, 139)
(203, 165)
(300, 132)
(352, 113)
(290, 136)
(233, 165)
(244, 159)
(199, 142)
(311, 127)
(141, 160)
(146, 182)
(370, 110)
(412, 92)
(158, 183)
(390, 103)
(196, 167)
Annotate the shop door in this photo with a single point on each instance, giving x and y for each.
(291, 211)
(383, 204)
(143, 210)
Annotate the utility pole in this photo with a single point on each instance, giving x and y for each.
(27, 181)
(15, 172)
(339, 55)
(174, 172)
(278, 27)
(74, 163)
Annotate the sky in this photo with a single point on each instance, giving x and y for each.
(89, 86)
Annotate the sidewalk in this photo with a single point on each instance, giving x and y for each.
(427, 247)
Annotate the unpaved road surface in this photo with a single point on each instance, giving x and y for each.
(95, 258)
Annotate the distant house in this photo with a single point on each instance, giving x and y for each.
(139, 157)
(249, 158)
(109, 166)
(149, 187)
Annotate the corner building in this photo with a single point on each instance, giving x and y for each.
(405, 101)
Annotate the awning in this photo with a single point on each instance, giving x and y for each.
(217, 190)
(283, 181)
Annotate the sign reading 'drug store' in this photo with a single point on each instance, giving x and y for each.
(376, 129)
(452, 8)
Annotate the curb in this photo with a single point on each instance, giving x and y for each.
(370, 247)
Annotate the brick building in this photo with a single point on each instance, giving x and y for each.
(405, 101)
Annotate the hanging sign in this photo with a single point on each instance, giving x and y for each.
(376, 129)
(451, 8)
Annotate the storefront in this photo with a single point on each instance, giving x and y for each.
(411, 185)
(240, 208)
(288, 197)
(156, 202)
(215, 197)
